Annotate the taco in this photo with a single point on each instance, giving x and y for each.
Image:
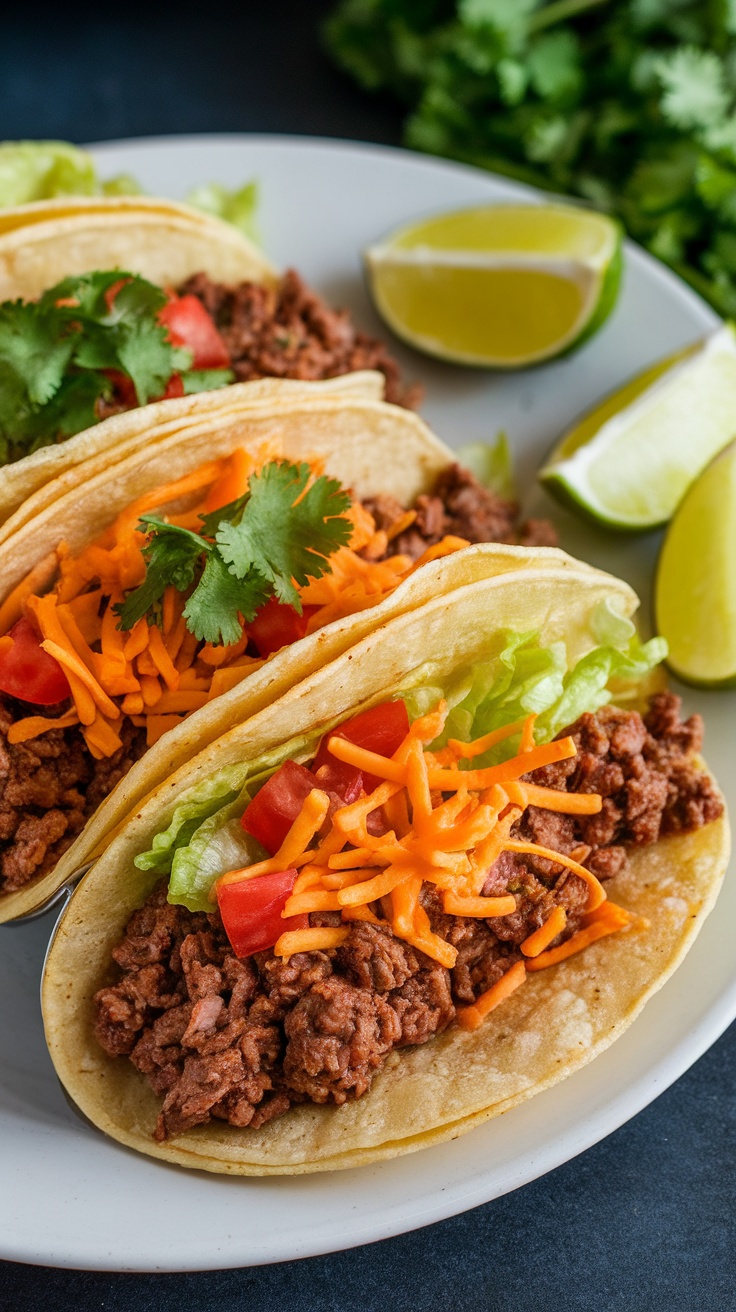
(107, 305)
(434, 878)
(129, 640)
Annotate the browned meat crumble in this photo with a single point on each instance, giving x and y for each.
(244, 1040)
(459, 505)
(48, 789)
(288, 331)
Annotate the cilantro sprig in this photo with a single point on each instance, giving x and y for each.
(57, 354)
(630, 105)
(278, 535)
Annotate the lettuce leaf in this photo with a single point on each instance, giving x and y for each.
(217, 845)
(43, 170)
(491, 464)
(238, 206)
(195, 806)
(524, 677)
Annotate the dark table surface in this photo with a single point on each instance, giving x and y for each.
(643, 1221)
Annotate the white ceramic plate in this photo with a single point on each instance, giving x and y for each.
(68, 1196)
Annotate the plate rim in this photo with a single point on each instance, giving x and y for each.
(560, 1149)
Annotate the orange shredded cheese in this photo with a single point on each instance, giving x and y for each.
(469, 1018)
(542, 937)
(34, 725)
(600, 926)
(446, 842)
(294, 851)
(478, 906)
(140, 672)
(596, 893)
(308, 940)
(38, 578)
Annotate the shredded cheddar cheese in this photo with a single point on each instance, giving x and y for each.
(142, 674)
(448, 840)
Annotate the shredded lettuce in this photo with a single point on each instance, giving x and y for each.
(524, 677)
(237, 206)
(217, 845)
(43, 170)
(491, 464)
(195, 806)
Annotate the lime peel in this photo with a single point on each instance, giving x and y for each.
(633, 472)
(695, 589)
(498, 286)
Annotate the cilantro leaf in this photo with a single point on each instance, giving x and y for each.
(614, 103)
(206, 380)
(282, 537)
(695, 94)
(144, 353)
(245, 553)
(119, 328)
(212, 612)
(35, 350)
(554, 65)
(73, 408)
(172, 557)
(53, 353)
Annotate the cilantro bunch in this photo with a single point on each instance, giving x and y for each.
(629, 104)
(280, 533)
(54, 353)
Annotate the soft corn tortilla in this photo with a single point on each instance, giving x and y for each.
(358, 441)
(30, 485)
(163, 241)
(556, 1023)
(166, 242)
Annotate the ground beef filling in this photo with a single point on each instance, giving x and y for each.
(288, 331)
(244, 1040)
(461, 506)
(49, 787)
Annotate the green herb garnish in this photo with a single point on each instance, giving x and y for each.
(59, 357)
(629, 105)
(261, 545)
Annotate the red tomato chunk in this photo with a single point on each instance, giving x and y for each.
(28, 672)
(251, 911)
(276, 626)
(191, 326)
(275, 807)
(382, 729)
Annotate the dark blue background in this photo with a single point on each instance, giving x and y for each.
(643, 1221)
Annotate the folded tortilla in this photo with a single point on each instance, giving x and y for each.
(166, 242)
(161, 240)
(358, 441)
(561, 1019)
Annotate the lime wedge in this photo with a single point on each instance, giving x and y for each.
(695, 590)
(503, 286)
(630, 461)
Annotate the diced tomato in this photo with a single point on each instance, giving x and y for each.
(382, 729)
(125, 393)
(276, 626)
(275, 807)
(341, 780)
(28, 672)
(251, 911)
(174, 387)
(190, 325)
